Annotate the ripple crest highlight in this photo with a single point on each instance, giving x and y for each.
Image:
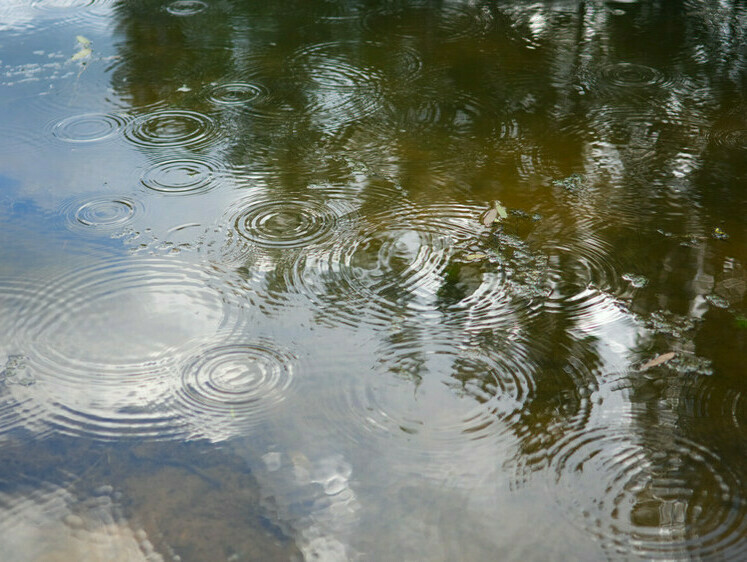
(89, 127)
(104, 343)
(186, 7)
(270, 223)
(657, 496)
(101, 214)
(236, 93)
(234, 382)
(172, 128)
(190, 175)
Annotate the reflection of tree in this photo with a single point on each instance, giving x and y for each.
(636, 97)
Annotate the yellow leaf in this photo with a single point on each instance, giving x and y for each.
(500, 209)
(82, 54)
(83, 41)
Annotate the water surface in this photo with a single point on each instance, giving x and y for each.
(373, 280)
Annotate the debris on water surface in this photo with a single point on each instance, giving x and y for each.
(84, 49)
(637, 281)
(719, 234)
(663, 358)
(17, 371)
(571, 183)
(717, 301)
(496, 214)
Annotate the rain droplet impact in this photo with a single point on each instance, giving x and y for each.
(236, 93)
(454, 21)
(172, 128)
(341, 87)
(629, 75)
(189, 175)
(233, 383)
(655, 495)
(104, 343)
(89, 127)
(101, 213)
(270, 223)
(729, 139)
(431, 402)
(186, 7)
(415, 262)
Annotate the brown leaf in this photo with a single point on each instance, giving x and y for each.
(658, 360)
(489, 217)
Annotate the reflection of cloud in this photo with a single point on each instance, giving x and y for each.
(49, 524)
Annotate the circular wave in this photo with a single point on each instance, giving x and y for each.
(186, 7)
(296, 223)
(431, 401)
(655, 496)
(88, 13)
(629, 75)
(55, 6)
(236, 93)
(190, 175)
(630, 79)
(89, 127)
(453, 21)
(729, 139)
(344, 81)
(171, 128)
(103, 342)
(234, 382)
(435, 262)
(100, 213)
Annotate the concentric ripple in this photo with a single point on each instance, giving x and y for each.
(430, 401)
(186, 7)
(84, 14)
(103, 342)
(455, 21)
(89, 127)
(654, 496)
(295, 223)
(171, 128)
(236, 93)
(729, 138)
(189, 175)
(391, 265)
(100, 213)
(234, 382)
(346, 87)
(624, 78)
(438, 263)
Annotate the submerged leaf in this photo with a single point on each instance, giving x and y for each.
(476, 256)
(83, 41)
(489, 217)
(496, 214)
(500, 209)
(658, 360)
(82, 54)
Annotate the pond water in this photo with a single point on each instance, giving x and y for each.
(373, 280)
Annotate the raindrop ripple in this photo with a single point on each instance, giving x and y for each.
(234, 382)
(189, 175)
(104, 342)
(172, 128)
(659, 495)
